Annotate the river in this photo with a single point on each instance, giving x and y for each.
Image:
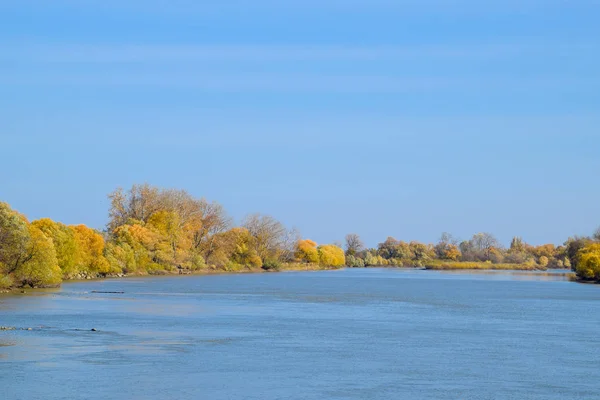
(347, 334)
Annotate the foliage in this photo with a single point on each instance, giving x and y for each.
(6, 282)
(306, 251)
(588, 263)
(331, 256)
(517, 245)
(156, 231)
(65, 245)
(14, 239)
(572, 248)
(448, 265)
(355, 262)
(244, 252)
(271, 264)
(90, 256)
(40, 267)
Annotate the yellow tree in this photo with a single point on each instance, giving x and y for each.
(452, 252)
(14, 239)
(40, 266)
(588, 265)
(331, 256)
(173, 246)
(244, 253)
(134, 248)
(90, 256)
(306, 251)
(64, 244)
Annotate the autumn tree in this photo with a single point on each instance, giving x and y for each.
(394, 252)
(90, 258)
(40, 266)
(484, 242)
(14, 239)
(171, 248)
(243, 252)
(331, 256)
(65, 245)
(446, 248)
(421, 252)
(133, 249)
(480, 247)
(204, 228)
(138, 203)
(572, 248)
(306, 251)
(588, 262)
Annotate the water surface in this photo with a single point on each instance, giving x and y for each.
(349, 334)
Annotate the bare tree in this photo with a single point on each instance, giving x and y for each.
(210, 221)
(141, 201)
(445, 246)
(447, 238)
(354, 244)
(291, 238)
(596, 235)
(483, 243)
(269, 235)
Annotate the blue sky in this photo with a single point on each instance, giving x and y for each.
(397, 118)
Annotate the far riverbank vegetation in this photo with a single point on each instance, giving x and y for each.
(164, 231)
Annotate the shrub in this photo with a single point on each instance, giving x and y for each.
(355, 262)
(271, 264)
(5, 282)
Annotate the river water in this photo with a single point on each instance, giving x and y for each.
(348, 334)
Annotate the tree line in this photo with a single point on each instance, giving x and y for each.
(157, 231)
(579, 253)
(151, 231)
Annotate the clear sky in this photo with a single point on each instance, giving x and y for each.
(399, 118)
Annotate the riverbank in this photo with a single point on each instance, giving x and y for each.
(457, 265)
(290, 267)
(435, 265)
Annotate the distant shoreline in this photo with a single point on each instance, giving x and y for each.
(299, 268)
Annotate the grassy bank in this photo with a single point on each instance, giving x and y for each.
(458, 265)
(205, 271)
